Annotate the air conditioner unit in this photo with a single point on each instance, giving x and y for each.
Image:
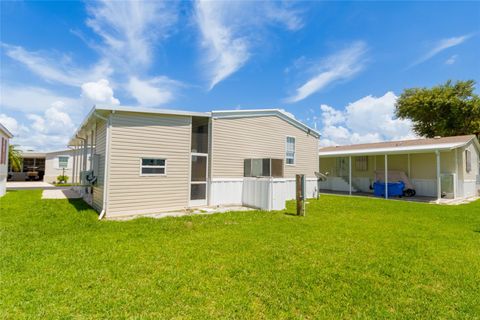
(87, 177)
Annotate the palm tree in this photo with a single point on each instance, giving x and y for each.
(14, 158)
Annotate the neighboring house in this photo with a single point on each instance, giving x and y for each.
(5, 136)
(441, 167)
(58, 163)
(150, 160)
(47, 166)
(33, 167)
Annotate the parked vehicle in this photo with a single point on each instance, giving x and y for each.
(32, 174)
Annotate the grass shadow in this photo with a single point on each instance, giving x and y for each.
(80, 205)
(291, 214)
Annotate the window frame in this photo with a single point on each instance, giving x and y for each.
(361, 163)
(164, 174)
(468, 161)
(262, 160)
(294, 151)
(58, 162)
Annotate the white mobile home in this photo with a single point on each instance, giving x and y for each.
(150, 160)
(44, 166)
(441, 167)
(5, 136)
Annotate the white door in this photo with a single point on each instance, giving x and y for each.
(198, 180)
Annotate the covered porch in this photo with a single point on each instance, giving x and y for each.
(432, 173)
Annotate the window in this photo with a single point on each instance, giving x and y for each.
(62, 162)
(361, 163)
(468, 160)
(290, 151)
(263, 168)
(153, 166)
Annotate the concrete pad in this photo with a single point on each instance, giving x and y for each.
(19, 185)
(60, 194)
(187, 212)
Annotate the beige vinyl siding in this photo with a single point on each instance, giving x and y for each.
(134, 136)
(100, 148)
(236, 139)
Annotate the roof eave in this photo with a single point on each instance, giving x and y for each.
(380, 151)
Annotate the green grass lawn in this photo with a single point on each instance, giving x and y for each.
(348, 258)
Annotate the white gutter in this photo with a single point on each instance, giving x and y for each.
(107, 160)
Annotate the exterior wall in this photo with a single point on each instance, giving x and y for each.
(4, 167)
(135, 135)
(236, 139)
(99, 169)
(469, 180)
(52, 171)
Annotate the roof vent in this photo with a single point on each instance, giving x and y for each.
(437, 137)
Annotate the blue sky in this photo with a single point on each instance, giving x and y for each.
(338, 66)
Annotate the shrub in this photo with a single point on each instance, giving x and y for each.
(62, 179)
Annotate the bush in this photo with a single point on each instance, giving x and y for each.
(61, 179)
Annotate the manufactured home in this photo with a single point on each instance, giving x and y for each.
(44, 166)
(149, 160)
(442, 168)
(5, 136)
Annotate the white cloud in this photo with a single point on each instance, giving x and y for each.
(339, 66)
(48, 130)
(369, 119)
(32, 99)
(10, 123)
(56, 69)
(53, 121)
(229, 29)
(131, 29)
(98, 93)
(452, 59)
(152, 92)
(442, 45)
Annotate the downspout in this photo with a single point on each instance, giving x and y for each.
(107, 160)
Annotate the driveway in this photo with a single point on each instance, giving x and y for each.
(22, 185)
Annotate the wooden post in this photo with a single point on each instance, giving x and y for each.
(300, 194)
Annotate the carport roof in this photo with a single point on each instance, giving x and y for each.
(412, 146)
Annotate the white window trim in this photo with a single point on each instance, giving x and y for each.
(468, 154)
(294, 151)
(153, 174)
(58, 162)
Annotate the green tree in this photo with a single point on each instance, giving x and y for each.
(14, 158)
(450, 109)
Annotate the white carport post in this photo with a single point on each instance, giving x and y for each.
(386, 176)
(85, 154)
(455, 182)
(74, 169)
(439, 181)
(350, 175)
